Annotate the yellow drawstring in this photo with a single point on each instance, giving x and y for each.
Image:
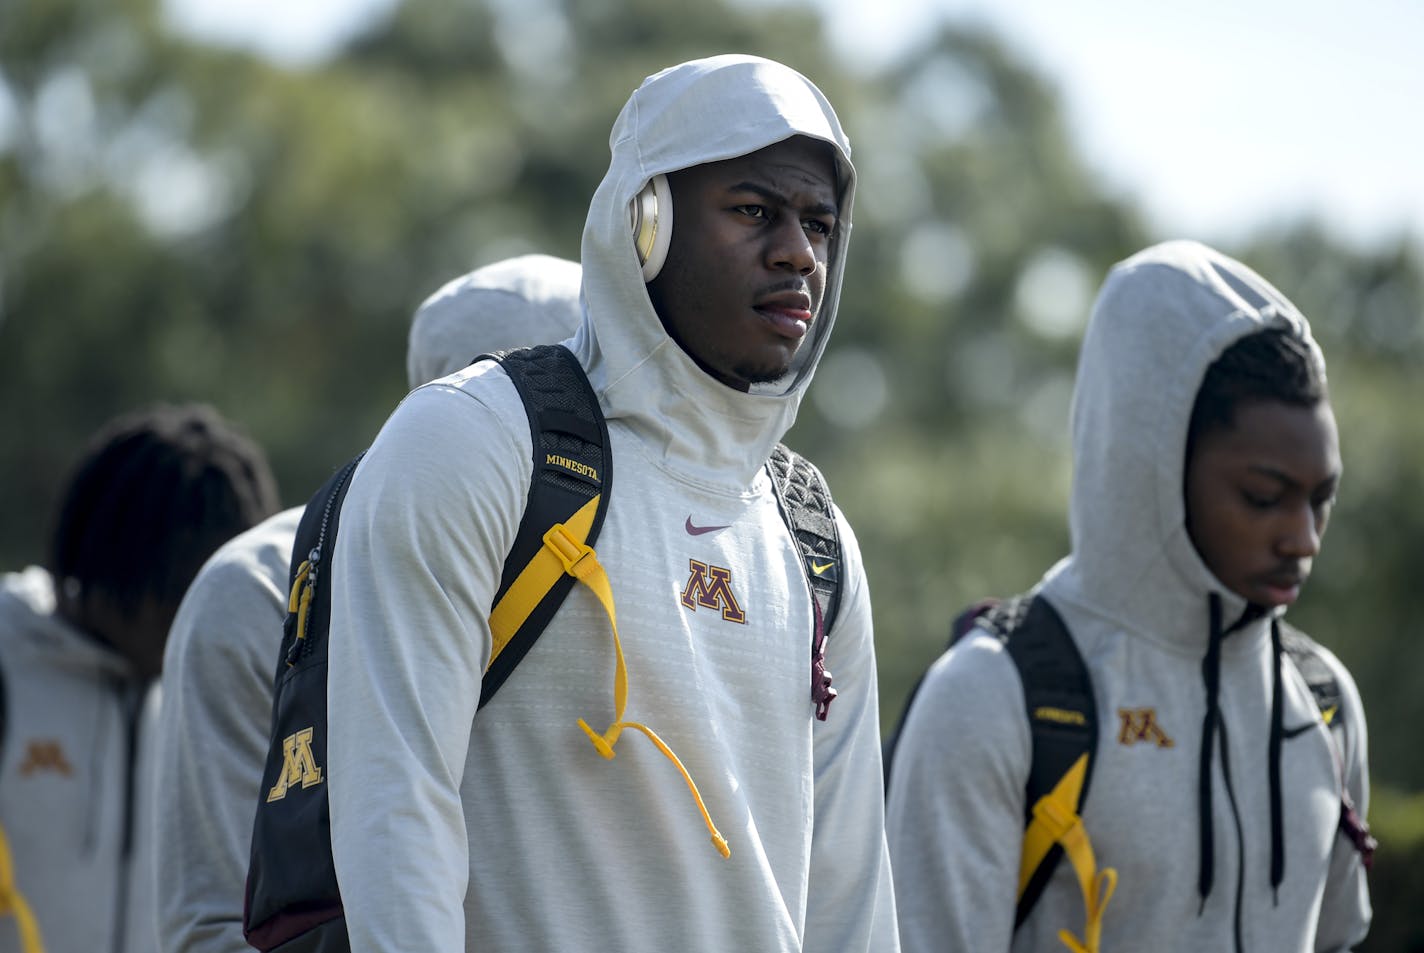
(300, 600)
(13, 902)
(580, 561)
(1056, 820)
(1097, 887)
(1096, 902)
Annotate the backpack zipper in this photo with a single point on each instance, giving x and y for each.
(309, 571)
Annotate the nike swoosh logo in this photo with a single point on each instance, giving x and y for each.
(819, 568)
(1327, 716)
(699, 530)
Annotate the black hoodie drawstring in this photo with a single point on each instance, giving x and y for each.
(1211, 679)
(1278, 844)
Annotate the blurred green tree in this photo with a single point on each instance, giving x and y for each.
(179, 221)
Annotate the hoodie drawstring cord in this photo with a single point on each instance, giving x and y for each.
(1211, 678)
(580, 561)
(1278, 846)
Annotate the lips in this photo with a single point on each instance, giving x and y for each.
(1283, 587)
(789, 312)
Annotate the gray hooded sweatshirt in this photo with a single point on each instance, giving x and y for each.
(506, 831)
(221, 656)
(1136, 598)
(77, 759)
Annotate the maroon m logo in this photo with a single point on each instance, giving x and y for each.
(45, 755)
(711, 588)
(1140, 724)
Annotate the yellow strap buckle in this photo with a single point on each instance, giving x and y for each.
(571, 552)
(1056, 817)
(1056, 821)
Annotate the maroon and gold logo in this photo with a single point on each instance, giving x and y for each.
(1140, 724)
(45, 756)
(711, 588)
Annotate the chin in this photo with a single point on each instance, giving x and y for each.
(765, 372)
(762, 375)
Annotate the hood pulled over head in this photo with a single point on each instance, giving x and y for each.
(526, 300)
(1161, 319)
(696, 113)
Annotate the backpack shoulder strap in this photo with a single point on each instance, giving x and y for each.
(1306, 655)
(1063, 723)
(1063, 729)
(573, 472)
(805, 504)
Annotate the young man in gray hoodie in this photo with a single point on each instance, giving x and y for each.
(1206, 462)
(222, 651)
(510, 830)
(81, 641)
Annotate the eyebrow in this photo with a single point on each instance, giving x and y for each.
(773, 196)
(1274, 474)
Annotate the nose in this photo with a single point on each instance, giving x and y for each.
(1301, 534)
(790, 249)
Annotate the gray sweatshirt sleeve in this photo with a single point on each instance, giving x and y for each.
(216, 711)
(1345, 910)
(851, 903)
(956, 803)
(427, 520)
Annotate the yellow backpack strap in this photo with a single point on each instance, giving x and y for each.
(1063, 726)
(535, 580)
(12, 902)
(1055, 822)
(554, 547)
(570, 488)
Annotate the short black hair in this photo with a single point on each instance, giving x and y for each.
(1273, 364)
(154, 494)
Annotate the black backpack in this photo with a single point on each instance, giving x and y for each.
(292, 902)
(1062, 716)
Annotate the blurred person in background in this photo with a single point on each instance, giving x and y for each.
(223, 650)
(81, 644)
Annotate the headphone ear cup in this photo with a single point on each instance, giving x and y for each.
(650, 215)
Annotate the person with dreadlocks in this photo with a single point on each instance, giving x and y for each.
(1224, 805)
(81, 644)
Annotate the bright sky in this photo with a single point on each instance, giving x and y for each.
(1217, 116)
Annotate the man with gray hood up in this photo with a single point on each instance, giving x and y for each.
(1222, 809)
(713, 256)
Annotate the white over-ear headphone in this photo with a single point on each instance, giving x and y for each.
(650, 217)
